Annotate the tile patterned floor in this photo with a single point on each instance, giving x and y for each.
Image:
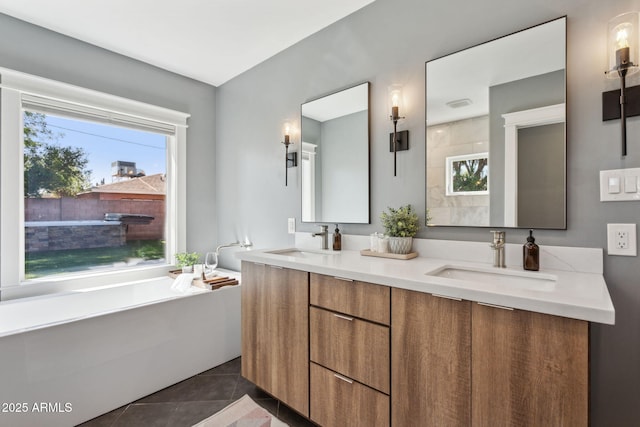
(194, 399)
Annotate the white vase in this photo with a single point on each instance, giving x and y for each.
(400, 245)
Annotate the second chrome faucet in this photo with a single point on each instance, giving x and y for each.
(325, 236)
(498, 249)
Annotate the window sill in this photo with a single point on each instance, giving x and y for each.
(81, 280)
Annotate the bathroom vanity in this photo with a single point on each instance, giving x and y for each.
(433, 341)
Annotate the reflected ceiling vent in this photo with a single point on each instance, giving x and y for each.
(458, 103)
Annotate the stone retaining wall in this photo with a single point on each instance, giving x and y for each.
(63, 235)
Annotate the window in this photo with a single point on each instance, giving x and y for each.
(73, 181)
(468, 174)
(80, 146)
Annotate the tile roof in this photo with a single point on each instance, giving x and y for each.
(152, 184)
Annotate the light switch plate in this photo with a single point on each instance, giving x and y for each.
(291, 225)
(620, 185)
(621, 239)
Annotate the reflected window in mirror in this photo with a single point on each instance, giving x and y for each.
(335, 157)
(466, 118)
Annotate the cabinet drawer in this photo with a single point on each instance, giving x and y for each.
(340, 401)
(352, 347)
(359, 299)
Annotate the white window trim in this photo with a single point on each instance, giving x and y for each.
(309, 185)
(14, 85)
(512, 122)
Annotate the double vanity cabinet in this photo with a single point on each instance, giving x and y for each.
(347, 352)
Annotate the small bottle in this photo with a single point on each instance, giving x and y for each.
(337, 240)
(531, 254)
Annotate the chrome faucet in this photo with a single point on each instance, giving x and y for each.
(245, 244)
(498, 249)
(325, 236)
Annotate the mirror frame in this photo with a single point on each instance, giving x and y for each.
(565, 150)
(368, 174)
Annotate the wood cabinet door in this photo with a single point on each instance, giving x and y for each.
(352, 347)
(529, 369)
(338, 401)
(364, 300)
(275, 332)
(430, 360)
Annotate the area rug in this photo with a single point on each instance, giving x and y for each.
(244, 412)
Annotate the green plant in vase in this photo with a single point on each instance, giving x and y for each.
(186, 260)
(401, 225)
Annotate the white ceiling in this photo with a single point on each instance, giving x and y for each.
(468, 74)
(339, 104)
(207, 40)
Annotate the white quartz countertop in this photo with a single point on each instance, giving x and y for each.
(572, 294)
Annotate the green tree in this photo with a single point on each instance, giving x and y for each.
(49, 167)
(470, 175)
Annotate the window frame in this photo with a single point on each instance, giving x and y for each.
(15, 87)
(450, 160)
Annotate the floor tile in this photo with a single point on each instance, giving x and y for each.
(231, 367)
(147, 415)
(291, 417)
(198, 388)
(106, 420)
(247, 387)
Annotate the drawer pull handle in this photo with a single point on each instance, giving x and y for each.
(447, 297)
(343, 317)
(495, 306)
(340, 377)
(344, 279)
(259, 264)
(276, 266)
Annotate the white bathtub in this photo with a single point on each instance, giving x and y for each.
(67, 358)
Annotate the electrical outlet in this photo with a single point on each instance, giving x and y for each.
(621, 239)
(291, 225)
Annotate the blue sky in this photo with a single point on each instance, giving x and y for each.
(107, 143)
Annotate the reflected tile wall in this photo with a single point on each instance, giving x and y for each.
(452, 139)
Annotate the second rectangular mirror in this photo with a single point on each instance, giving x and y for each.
(495, 132)
(335, 157)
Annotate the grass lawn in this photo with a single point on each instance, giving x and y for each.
(38, 264)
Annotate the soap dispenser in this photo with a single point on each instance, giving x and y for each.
(337, 239)
(531, 254)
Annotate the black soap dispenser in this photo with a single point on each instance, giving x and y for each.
(337, 240)
(531, 254)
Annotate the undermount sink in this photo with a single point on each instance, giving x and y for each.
(302, 253)
(497, 276)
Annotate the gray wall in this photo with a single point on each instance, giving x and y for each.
(41, 52)
(345, 163)
(519, 95)
(388, 42)
(541, 193)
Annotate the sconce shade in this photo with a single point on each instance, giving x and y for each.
(622, 45)
(395, 101)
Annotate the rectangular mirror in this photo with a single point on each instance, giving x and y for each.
(495, 132)
(335, 157)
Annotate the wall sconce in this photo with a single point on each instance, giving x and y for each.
(622, 50)
(290, 159)
(398, 141)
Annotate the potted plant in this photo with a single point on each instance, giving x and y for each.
(186, 260)
(400, 225)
